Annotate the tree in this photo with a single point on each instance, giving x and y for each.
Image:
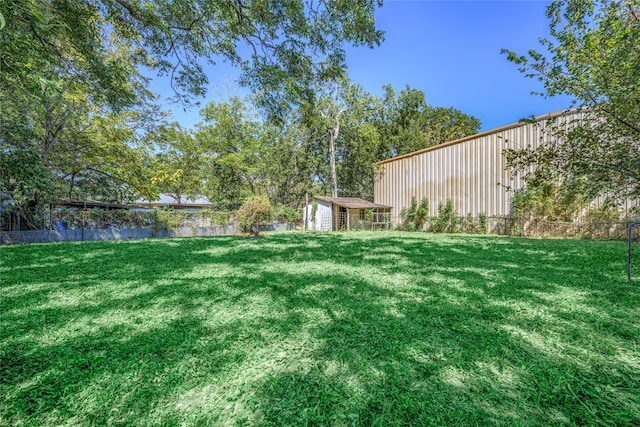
(69, 147)
(278, 45)
(331, 106)
(409, 123)
(340, 128)
(49, 40)
(71, 88)
(593, 57)
(229, 136)
(361, 143)
(254, 211)
(72, 100)
(178, 163)
(288, 162)
(448, 124)
(352, 129)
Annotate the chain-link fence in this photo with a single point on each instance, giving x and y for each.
(62, 224)
(100, 219)
(507, 226)
(86, 224)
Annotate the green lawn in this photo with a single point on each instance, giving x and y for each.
(319, 329)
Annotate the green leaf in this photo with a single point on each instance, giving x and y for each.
(38, 15)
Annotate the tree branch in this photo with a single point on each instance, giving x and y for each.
(133, 12)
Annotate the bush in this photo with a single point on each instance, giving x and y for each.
(549, 202)
(415, 216)
(467, 224)
(447, 219)
(368, 216)
(287, 214)
(482, 220)
(254, 211)
(606, 212)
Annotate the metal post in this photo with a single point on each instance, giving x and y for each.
(84, 213)
(306, 211)
(629, 241)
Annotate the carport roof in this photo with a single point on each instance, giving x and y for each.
(352, 202)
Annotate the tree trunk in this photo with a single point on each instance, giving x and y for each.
(333, 137)
(255, 229)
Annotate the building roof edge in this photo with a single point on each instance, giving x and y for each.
(480, 135)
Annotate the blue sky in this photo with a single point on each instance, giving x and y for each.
(448, 49)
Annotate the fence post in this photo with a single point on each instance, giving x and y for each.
(629, 241)
(154, 224)
(306, 211)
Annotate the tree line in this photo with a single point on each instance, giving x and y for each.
(78, 121)
(329, 148)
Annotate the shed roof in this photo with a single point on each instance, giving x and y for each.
(168, 200)
(352, 202)
(90, 204)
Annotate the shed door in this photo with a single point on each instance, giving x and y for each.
(342, 222)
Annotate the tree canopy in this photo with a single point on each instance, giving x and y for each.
(75, 105)
(592, 57)
(277, 44)
(329, 147)
(78, 121)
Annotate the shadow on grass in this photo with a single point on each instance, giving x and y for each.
(319, 329)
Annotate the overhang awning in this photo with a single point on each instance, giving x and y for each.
(352, 202)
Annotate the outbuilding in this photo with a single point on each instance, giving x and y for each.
(345, 213)
(167, 201)
(472, 172)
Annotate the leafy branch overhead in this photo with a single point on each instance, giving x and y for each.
(79, 120)
(278, 45)
(76, 104)
(592, 57)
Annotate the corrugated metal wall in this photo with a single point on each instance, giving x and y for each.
(470, 171)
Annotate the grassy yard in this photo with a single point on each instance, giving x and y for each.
(319, 329)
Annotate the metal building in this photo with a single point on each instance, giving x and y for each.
(471, 171)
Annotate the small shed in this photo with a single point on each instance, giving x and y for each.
(345, 213)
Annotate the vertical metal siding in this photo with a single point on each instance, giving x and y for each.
(472, 173)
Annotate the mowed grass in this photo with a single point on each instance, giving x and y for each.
(319, 329)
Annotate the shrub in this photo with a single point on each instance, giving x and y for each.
(408, 214)
(606, 212)
(549, 202)
(287, 214)
(368, 215)
(220, 217)
(415, 216)
(447, 219)
(517, 214)
(482, 223)
(254, 211)
(468, 224)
